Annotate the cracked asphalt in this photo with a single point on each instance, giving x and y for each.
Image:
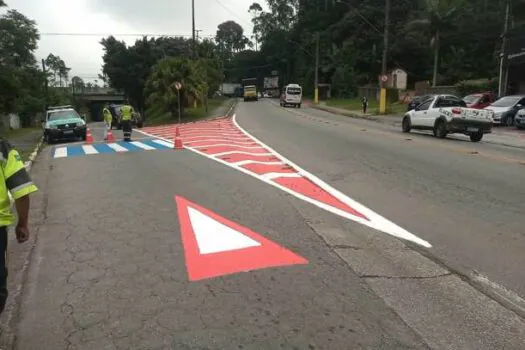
(105, 268)
(108, 270)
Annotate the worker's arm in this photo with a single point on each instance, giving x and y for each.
(19, 184)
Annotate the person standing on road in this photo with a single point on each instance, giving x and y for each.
(108, 119)
(14, 180)
(364, 102)
(127, 115)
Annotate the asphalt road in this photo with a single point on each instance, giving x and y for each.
(106, 266)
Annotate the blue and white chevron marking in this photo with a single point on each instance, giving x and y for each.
(105, 148)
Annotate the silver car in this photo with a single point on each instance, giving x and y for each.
(506, 108)
(520, 119)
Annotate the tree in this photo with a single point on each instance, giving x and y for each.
(77, 84)
(160, 87)
(230, 38)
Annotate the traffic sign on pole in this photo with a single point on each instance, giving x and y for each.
(178, 85)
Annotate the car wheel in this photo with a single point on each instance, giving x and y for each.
(509, 121)
(440, 129)
(476, 137)
(406, 125)
(299, 105)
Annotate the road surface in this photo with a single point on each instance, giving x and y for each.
(126, 250)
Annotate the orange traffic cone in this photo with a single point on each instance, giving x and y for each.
(89, 137)
(178, 140)
(110, 138)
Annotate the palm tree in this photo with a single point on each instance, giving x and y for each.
(436, 17)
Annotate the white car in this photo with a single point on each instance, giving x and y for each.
(447, 114)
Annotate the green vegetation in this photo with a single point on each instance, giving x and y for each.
(158, 117)
(355, 105)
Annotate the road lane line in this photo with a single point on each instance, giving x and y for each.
(273, 176)
(117, 147)
(89, 149)
(142, 145)
(376, 221)
(60, 152)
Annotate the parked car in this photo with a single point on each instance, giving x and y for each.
(520, 119)
(63, 122)
(418, 100)
(447, 114)
(479, 100)
(505, 109)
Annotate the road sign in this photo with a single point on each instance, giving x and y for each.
(178, 85)
(384, 78)
(215, 246)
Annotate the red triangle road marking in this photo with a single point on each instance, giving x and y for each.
(215, 246)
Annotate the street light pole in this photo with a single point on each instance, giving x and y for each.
(193, 28)
(382, 97)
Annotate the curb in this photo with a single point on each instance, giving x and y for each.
(29, 163)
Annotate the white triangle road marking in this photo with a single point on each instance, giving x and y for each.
(215, 237)
(88, 149)
(142, 145)
(117, 147)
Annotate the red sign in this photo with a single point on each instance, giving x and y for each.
(215, 246)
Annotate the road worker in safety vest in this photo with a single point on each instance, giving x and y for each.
(126, 117)
(14, 180)
(108, 119)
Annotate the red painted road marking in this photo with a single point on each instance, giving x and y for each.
(299, 182)
(215, 246)
(311, 190)
(262, 169)
(221, 149)
(236, 157)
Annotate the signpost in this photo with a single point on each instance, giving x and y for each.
(178, 86)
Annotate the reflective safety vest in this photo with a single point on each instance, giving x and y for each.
(108, 118)
(127, 112)
(14, 179)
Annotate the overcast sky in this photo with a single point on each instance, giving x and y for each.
(84, 53)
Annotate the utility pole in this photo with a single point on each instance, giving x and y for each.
(193, 28)
(197, 31)
(502, 86)
(44, 69)
(316, 82)
(382, 98)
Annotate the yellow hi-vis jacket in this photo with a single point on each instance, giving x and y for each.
(108, 118)
(14, 179)
(127, 112)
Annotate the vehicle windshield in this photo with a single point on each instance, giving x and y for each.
(293, 91)
(63, 115)
(507, 101)
(471, 99)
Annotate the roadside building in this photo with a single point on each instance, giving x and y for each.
(515, 67)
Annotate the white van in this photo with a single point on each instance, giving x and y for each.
(292, 95)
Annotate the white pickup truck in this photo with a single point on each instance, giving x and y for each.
(447, 114)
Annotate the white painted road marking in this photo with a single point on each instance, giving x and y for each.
(273, 176)
(245, 162)
(241, 152)
(60, 152)
(142, 145)
(117, 147)
(88, 149)
(215, 237)
(164, 143)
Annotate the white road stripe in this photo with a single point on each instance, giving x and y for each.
(117, 147)
(142, 145)
(226, 145)
(245, 162)
(60, 152)
(164, 143)
(272, 176)
(88, 149)
(240, 152)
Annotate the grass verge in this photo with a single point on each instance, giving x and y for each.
(354, 105)
(158, 117)
(24, 140)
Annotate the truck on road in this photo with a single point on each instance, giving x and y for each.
(250, 89)
(228, 89)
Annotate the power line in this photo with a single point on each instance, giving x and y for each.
(124, 34)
